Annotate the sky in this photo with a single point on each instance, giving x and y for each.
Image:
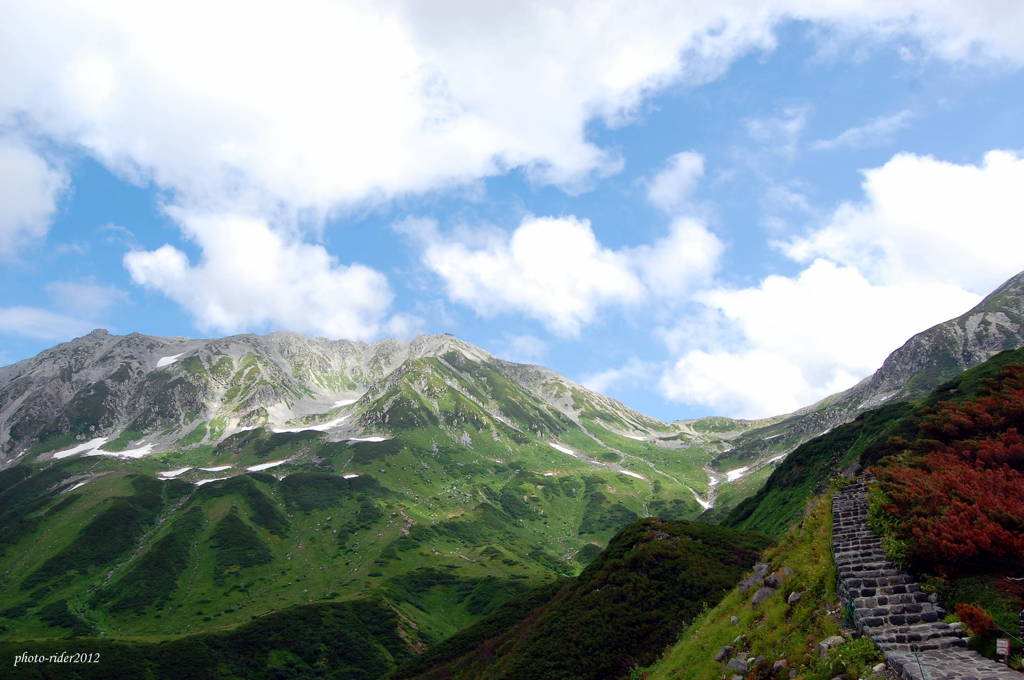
(732, 208)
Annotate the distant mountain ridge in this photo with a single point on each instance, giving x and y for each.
(161, 487)
(921, 364)
(102, 384)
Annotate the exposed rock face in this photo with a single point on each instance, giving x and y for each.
(924, 362)
(103, 384)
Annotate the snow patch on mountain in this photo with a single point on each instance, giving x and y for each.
(139, 452)
(733, 475)
(563, 449)
(90, 445)
(267, 466)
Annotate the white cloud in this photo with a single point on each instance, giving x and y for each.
(252, 277)
(927, 241)
(925, 220)
(29, 191)
(315, 107)
(683, 259)
(86, 298)
(875, 132)
(553, 269)
(40, 324)
(321, 105)
(632, 372)
(671, 187)
(803, 338)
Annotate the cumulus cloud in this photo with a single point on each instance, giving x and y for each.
(550, 268)
(321, 104)
(251, 276)
(670, 188)
(923, 219)
(30, 189)
(40, 324)
(927, 241)
(805, 337)
(676, 264)
(875, 132)
(317, 107)
(553, 269)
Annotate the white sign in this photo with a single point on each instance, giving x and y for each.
(1003, 647)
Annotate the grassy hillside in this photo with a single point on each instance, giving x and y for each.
(356, 640)
(950, 471)
(618, 613)
(445, 528)
(774, 637)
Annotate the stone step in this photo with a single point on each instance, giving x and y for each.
(859, 544)
(928, 645)
(890, 608)
(889, 600)
(880, 617)
(854, 556)
(868, 570)
(947, 664)
(854, 536)
(923, 636)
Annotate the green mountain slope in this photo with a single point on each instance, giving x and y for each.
(807, 470)
(653, 578)
(774, 637)
(451, 484)
(355, 640)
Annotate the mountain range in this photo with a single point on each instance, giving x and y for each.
(156, 487)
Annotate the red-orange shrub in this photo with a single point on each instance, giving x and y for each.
(961, 497)
(977, 620)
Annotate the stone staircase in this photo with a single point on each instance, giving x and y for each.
(904, 622)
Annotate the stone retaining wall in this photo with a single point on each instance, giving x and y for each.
(887, 606)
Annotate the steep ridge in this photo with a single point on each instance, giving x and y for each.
(890, 608)
(924, 362)
(852, 446)
(133, 386)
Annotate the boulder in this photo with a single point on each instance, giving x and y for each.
(737, 665)
(734, 620)
(776, 579)
(828, 643)
(763, 594)
(795, 596)
(723, 653)
(755, 578)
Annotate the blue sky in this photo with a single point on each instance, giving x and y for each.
(699, 210)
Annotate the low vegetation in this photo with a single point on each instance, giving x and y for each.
(775, 636)
(619, 612)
